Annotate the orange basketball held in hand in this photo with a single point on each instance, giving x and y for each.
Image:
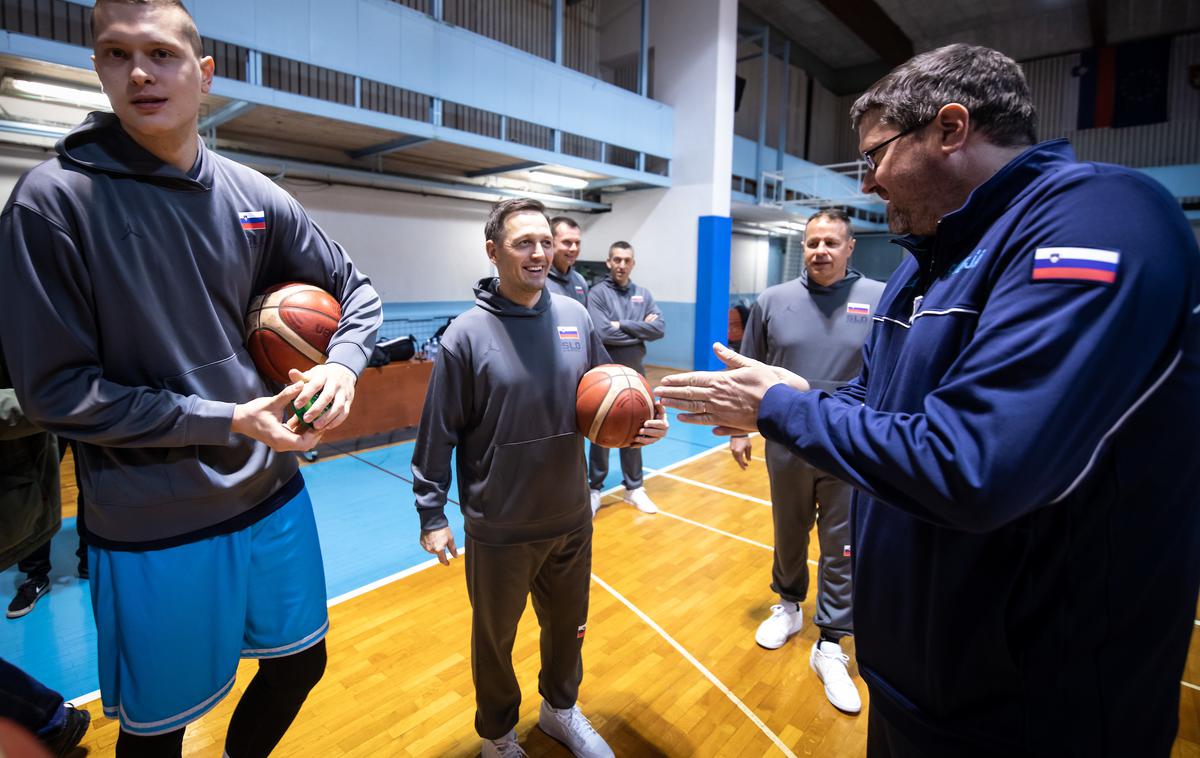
(289, 327)
(612, 403)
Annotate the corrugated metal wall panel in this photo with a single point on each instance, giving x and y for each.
(1055, 91)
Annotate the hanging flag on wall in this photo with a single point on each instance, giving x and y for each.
(1124, 85)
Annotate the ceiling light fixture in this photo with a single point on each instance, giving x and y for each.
(56, 93)
(558, 180)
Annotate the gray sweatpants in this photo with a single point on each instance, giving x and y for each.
(800, 496)
(499, 579)
(632, 356)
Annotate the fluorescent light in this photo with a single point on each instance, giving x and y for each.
(557, 180)
(59, 93)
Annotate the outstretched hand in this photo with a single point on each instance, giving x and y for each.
(728, 400)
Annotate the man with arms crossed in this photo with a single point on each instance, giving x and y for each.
(814, 326)
(1021, 436)
(563, 278)
(503, 394)
(626, 317)
(129, 260)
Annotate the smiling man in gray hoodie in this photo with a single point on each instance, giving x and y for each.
(503, 394)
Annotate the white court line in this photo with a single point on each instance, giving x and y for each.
(1185, 684)
(387, 580)
(718, 531)
(85, 699)
(660, 471)
(699, 666)
(724, 533)
(714, 488)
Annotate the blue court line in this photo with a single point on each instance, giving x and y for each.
(368, 528)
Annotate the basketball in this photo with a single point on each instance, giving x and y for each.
(289, 327)
(611, 405)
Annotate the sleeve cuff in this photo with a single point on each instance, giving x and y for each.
(432, 519)
(775, 411)
(210, 422)
(349, 355)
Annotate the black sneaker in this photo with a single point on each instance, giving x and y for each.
(27, 596)
(68, 738)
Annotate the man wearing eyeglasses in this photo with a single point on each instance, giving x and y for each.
(1021, 432)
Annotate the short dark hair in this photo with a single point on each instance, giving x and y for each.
(619, 245)
(190, 32)
(494, 229)
(989, 84)
(834, 214)
(558, 221)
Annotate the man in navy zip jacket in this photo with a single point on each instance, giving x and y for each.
(1021, 433)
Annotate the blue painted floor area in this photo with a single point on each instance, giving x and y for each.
(369, 530)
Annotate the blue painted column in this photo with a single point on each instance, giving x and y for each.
(714, 240)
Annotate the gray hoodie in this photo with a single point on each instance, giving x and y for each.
(125, 284)
(629, 306)
(572, 284)
(503, 395)
(815, 331)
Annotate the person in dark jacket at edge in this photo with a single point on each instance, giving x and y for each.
(30, 514)
(128, 262)
(502, 399)
(1022, 434)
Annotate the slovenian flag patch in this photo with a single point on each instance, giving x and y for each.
(858, 309)
(253, 221)
(568, 333)
(1075, 264)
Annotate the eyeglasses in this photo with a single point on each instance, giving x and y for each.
(868, 156)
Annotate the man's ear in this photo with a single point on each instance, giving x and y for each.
(490, 247)
(953, 123)
(207, 68)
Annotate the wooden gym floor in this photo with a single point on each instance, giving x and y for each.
(671, 666)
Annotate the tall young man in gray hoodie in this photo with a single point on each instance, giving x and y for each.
(128, 262)
(626, 317)
(814, 325)
(503, 394)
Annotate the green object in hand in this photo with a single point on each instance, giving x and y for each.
(304, 425)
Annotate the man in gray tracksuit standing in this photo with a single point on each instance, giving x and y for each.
(626, 317)
(503, 394)
(563, 279)
(814, 325)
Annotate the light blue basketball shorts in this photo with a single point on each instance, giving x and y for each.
(174, 623)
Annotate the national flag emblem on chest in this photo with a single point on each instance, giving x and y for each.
(858, 309)
(253, 221)
(568, 333)
(1075, 264)
(637, 299)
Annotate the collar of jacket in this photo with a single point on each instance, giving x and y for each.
(985, 204)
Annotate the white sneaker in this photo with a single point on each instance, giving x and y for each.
(505, 747)
(775, 631)
(829, 662)
(639, 498)
(595, 502)
(571, 728)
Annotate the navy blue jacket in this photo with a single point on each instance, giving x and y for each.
(1027, 534)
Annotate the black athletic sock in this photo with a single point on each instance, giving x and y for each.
(825, 637)
(169, 745)
(272, 701)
